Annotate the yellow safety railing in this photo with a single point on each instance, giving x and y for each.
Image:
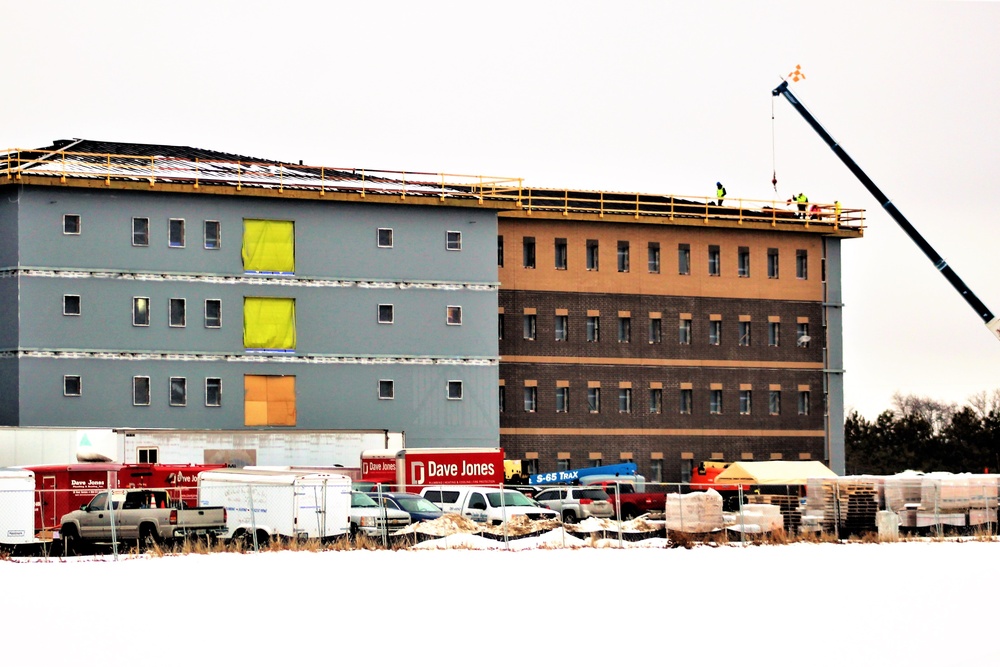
(283, 176)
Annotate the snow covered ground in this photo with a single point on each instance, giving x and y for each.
(907, 603)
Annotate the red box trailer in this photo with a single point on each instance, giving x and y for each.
(413, 469)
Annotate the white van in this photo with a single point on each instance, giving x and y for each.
(485, 504)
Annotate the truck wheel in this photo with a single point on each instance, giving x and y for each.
(263, 539)
(569, 517)
(70, 542)
(630, 512)
(148, 537)
(354, 532)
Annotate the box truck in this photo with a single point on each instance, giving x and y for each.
(413, 469)
(17, 509)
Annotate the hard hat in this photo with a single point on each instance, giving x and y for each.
(719, 183)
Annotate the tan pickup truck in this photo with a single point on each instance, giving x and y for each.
(141, 516)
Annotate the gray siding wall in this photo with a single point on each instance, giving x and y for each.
(332, 239)
(9, 390)
(8, 226)
(329, 396)
(835, 357)
(9, 321)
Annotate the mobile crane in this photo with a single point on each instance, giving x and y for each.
(992, 322)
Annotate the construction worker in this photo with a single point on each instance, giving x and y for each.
(801, 200)
(836, 210)
(720, 192)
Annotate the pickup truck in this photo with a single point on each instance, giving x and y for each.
(371, 519)
(486, 504)
(143, 516)
(633, 503)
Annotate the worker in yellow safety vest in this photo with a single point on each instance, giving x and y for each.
(801, 200)
(836, 209)
(720, 192)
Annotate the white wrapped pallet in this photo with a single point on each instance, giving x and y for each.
(697, 512)
(759, 518)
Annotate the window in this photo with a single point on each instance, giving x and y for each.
(656, 470)
(71, 385)
(593, 255)
(140, 390)
(624, 329)
(502, 397)
(743, 262)
(140, 311)
(803, 402)
(655, 330)
(593, 328)
(71, 223)
(454, 315)
(453, 240)
(562, 399)
(653, 257)
(213, 313)
(802, 264)
(773, 334)
(213, 392)
(71, 304)
(530, 394)
(529, 327)
(624, 400)
(594, 399)
(563, 464)
(213, 235)
(744, 334)
(528, 250)
(745, 399)
(140, 231)
(715, 402)
(269, 400)
(686, 398)
(454, 390)
(268, 324)
(623, 257)
(774, 402)
(714, 261)
(562, 327)
(772, 262)
(387, 390)
(385, 313)
(178, 313)
(500, 327)
(561, 254)
(175, 237)
(268, 246)
(802, 337)
(500, 251)
(146, 454)
(655, 401)
(178, 392)
(384, 237)
(684, 259)
(715, 332)
(684, 337)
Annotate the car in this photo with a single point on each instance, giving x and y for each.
(576, 503)
(486, 504)
(418, 507)
(368, 518)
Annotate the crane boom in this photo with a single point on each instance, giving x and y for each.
(992, 322)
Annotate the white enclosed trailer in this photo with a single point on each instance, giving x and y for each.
(17, 507)
(279, 503)
(252, 448)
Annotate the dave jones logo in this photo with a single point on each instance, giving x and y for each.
(421, 472)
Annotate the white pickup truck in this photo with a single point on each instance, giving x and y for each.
(486, 504)
(143, 516)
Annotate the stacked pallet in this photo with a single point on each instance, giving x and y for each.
(787, 505)
(821, 506)
(697, 512)
(859, 505)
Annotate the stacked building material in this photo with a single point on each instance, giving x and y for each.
(787, 505)
(697, 512)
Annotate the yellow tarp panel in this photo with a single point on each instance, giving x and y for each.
(268, 324)
(269, 246)
(774, 473)
(269, 400)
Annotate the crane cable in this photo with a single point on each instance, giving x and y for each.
(774, 168)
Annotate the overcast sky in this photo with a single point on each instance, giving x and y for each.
(664, 97)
